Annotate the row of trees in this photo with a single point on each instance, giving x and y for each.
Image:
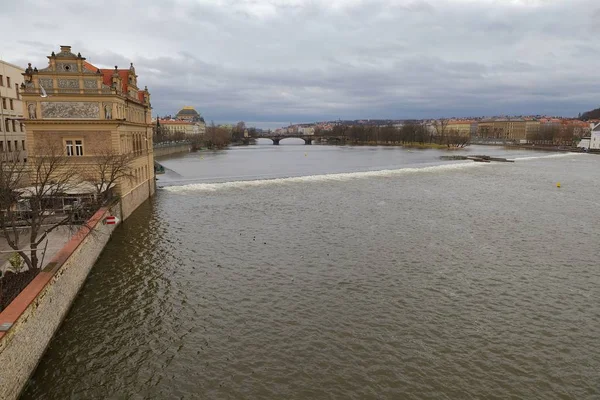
(161, 134)
(239, 131)
(562, 135)
(410, 133)
(215, 137)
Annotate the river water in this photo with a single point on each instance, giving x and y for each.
(323, 272)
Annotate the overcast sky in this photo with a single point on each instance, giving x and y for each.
(275, 61)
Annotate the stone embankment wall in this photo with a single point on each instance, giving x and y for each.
(160, 151)
(40, 308)
(132, 200)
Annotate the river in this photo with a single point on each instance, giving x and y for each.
(324, 272)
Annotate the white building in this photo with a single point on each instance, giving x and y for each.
(12, 130)
(595, 137)
(306, 130)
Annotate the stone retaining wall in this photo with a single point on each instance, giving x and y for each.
(40, 308)
(161, 151)
(132, 200)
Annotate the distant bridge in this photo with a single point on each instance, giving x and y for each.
(308, 139)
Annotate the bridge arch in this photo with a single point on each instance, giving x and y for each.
(278, 138)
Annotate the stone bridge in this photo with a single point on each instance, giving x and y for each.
(308, 139)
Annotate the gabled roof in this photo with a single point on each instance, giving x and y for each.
(89, 67)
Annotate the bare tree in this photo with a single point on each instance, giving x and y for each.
(108, 168)
(440, 126)
(217, 137)
(48, 175)
(456, 138)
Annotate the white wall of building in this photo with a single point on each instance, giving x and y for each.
(595, 140)
(12, 132)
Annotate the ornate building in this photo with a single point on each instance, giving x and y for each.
(12, 130)
(89, 111)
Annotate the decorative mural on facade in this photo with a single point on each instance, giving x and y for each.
(66, 67)
(46, 83)
(70, 109)
(68, 84)
(90, 84)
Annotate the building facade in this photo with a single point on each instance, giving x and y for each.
(183, 128)
(594, 141)
(12, 129)
(460, 127)
(88, 112)
(502, 129)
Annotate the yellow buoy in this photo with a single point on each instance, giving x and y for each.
(558, 184)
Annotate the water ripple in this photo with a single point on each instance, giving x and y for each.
(462, 283)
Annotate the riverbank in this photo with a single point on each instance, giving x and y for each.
(410, 145)
(538, 147)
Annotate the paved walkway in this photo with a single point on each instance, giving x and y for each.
(56, 240)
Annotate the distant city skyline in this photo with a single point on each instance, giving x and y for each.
(314, 60)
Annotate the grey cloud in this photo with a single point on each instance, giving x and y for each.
(306, 60)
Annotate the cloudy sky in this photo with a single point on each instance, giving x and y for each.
(272, 62)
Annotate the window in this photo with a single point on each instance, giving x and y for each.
(6, 126)
(12, 105)
(17, 90)
(1, 80)
(16, 145)
(4, 103)
(23, 144)
(14, 124)
(78, 147)
(69, 144)
(9, 146)
(2, 146)
(8, 81)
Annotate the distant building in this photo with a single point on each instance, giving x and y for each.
(187, 122)
(460, 127)
(186, 128)
(595, 138)
(502, 129)
(306, 130)
(12, 130)
(532, 128)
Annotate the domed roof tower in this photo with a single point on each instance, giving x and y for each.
(188, 113)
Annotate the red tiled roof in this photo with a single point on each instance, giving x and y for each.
(107, 77)
(460, 122)
(108, 73)
(89, 67)
(174, 122)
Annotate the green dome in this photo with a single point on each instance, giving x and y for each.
(188, 112)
